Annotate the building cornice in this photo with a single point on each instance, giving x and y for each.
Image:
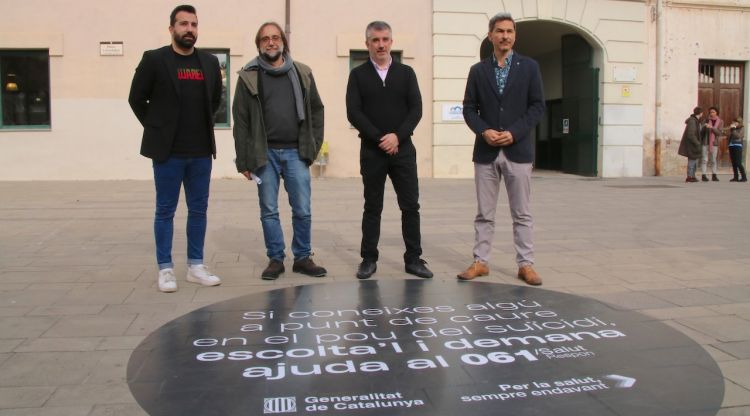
(714, 5)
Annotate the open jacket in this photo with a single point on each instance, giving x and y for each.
(250, 140)
(518, 110)
(706, 132)
(155, 99)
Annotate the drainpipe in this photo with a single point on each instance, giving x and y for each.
(658, 15)
(287, 20)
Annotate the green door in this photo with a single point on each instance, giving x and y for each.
(580, 104)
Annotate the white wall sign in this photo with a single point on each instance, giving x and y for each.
(112, 48)
(453, 112)
(624, 74)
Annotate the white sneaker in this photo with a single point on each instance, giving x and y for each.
(198, 273)
(167, 281)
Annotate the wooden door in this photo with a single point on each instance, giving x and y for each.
(720, 85)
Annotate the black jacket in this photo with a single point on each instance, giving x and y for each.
(154, 98)
(736, 135)
(518, 110)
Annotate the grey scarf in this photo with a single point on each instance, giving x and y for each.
(286, 68)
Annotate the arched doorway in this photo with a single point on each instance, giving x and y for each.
(567, 138)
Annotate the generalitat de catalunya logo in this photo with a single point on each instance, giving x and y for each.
(279, 405)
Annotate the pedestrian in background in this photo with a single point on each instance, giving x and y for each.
(736, 139)
(710, 133)
(690, 145)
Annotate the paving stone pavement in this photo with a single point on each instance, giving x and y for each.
(77, 269)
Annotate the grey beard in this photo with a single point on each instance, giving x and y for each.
(273, 58)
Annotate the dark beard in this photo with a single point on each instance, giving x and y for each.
(184, 43)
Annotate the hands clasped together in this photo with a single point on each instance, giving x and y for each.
(497, 138)
(389, 143)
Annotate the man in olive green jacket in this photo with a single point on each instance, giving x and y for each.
(278, 131)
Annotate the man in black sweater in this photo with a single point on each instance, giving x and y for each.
(383, 102)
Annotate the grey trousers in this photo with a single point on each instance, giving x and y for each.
(704, 158)
(517, 178)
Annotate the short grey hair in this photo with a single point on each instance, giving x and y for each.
(377, 25)
(499, 18)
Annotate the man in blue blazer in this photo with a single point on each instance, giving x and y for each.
(174, 94)
(503, 102)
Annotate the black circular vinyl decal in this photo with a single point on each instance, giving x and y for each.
(417, 347)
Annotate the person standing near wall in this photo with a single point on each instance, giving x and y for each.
(383, 102)
(710, 133)
(278, 131)
(736, 139)
(175, 93)
(690, 145)
(503, 102)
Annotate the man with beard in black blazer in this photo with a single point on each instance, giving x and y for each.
(174, 94)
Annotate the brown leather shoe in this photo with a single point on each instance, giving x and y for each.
(528, 275)
(307, 266)
(274, 269)
(476, 269)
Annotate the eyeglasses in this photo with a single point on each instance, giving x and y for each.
(266, 39)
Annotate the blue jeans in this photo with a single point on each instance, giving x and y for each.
(691, 166)
(286, 164)
(195, 175)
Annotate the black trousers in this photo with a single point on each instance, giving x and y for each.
(735, 153)
(375, 166)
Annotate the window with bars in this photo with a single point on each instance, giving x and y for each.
(729, 75)
(720, 73)
(706, 75)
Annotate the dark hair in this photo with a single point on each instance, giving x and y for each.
(713, 108)
(697, 111)
(377, 25)
(277, 26)
(499, 18)
(182, 8)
